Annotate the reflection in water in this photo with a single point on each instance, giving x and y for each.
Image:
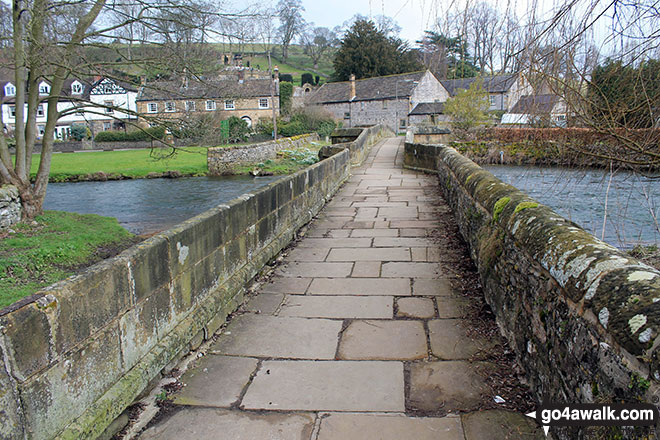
(150, 205)
(633, 201)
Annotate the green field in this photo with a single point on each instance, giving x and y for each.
(128, 163)
(39, 255)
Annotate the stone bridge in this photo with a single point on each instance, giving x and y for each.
(369, 322)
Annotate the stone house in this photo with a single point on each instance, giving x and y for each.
(248, 99)
(385, 99)
(100, 104)
(503, 90)
(546, 110)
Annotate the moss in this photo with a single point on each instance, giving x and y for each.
(524, 205)
(499, 207)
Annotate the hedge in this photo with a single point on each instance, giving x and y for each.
(132, 136)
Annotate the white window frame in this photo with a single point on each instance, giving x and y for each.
(263, 103)
(10, 89)
(152, 107)
(44, 89)
(210, 105)
(12, 111)
(107, 126)
(170, 106)
(229, 104)
(109, 104)
(76, 88)
(190, 106)
(492, 100)
(41, 129)
(40, 111)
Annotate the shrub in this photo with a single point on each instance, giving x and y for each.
(79, 132)
(306, 78)
(286, 91)
(286, 77)
(293, 128)
(132, 136)
(238, 130)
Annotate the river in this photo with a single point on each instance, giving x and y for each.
(633, 201)
(145, 206)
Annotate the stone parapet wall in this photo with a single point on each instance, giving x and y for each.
(581, 315)
(221, 160)
(10, 206)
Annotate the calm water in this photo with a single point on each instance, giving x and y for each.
(579, 195)
(150, 205)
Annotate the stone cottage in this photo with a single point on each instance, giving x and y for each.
(381, 100)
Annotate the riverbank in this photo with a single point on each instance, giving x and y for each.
(55, 246)
(157, 163)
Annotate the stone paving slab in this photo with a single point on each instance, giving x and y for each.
(302, 269)
(413, 270)
(335, 242)
(358, 286)
(390, 340)
(500, 424)
(450, 340)
(398, 213)
(451, 307)
(264, 303)
(338, 306)
(314, 232)
(279, 337)
(327, 386)
(296, 286)
(217, 424)
(215, 381)
(308, 254)
(420, 308)
(436, 287)
(346, 426)
(447, 385)
(369, 254)
(402, 242)
(379, 232)
(366, 269)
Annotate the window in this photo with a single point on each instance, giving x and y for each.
(362, 106)
(76, 88)
(152, 107)
(108, 106)
(402, 123)
(263, 102)
(170, 106)
(347, 115)
(190, 106)
(384, 105)
(107, 126)
(247, 120)
(40, 111)
(10, 90)
(44, 89)
(80, 111)
(493, 100)
(210, 105)
(41, 129)
(229, 104)
(12, 111)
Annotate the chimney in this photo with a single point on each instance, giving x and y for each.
(353, 94)
(241, 76)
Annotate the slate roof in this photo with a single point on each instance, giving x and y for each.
(66, 89)
(208, 89)
(535, 104)
(368, 89)
(492, 84)
(428, 108)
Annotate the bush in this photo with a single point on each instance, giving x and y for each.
(306, 78)
(286, 91)
(293, 128)
(79, 132)
(132, 136)
(307, 120)
(286, 77)
(238, 130)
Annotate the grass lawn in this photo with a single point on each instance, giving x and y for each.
(60, 243)
(129, 163)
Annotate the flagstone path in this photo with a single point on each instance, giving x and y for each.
(357, 336)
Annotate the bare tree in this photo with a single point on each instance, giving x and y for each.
(316, 41)
(291, 23)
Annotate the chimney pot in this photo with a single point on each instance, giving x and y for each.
(353, 94)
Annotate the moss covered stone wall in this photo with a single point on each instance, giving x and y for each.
(582, 316)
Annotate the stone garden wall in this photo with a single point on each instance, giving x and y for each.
(582, 316)
(221, 160)
(75, 355)
(10, 206)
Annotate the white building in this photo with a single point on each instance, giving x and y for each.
(104, 104)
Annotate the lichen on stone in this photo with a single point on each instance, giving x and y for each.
(636, 322)
(604, 316)
(499, 207)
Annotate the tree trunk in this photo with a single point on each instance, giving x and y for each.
(31, 203)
